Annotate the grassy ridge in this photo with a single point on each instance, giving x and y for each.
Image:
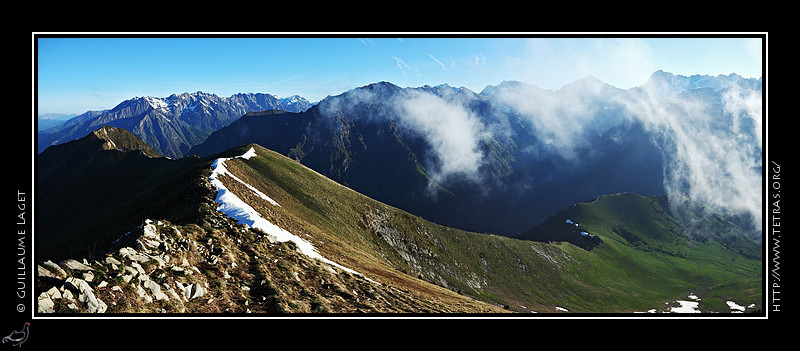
(644, 260)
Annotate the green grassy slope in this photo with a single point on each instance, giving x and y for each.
(395, 247)
(646, 256)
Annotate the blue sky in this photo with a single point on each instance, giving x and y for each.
(79, 74)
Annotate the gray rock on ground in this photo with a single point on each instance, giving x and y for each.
(60, 272)
(76, 266)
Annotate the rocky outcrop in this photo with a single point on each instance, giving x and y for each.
(138, 276)
(420, 257)
(218, 266)
(73, 293)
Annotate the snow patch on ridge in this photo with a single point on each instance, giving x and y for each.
(219, 169)
(236, 208)
(250, 153)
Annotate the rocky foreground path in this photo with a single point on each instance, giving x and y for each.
(218, 266)
(160, 268)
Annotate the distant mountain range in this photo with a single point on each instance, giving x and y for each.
(498, 161)
(50, 120)
(171, 125)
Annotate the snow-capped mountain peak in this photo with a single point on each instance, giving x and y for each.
(172, 125)
(156, 103)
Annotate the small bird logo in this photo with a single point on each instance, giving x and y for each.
(18, 336)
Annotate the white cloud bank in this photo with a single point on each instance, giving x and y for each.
(713, 147)
(711, 143)
(453, 131)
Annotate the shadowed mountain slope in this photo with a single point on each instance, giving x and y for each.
(93, 190)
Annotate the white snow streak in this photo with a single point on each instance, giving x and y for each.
(234, 207)
(219, 169)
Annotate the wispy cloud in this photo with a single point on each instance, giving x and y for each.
(754, 49)
(365, 41)
(288, 79)
(401, 64)
(437, 61)
(479, 60)
(549, 64)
